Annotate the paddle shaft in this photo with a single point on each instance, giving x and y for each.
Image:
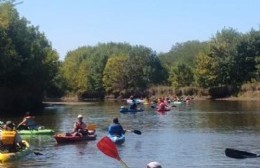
(123, 163)
(135, 131)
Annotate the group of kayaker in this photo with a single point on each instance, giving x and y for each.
(11, 141)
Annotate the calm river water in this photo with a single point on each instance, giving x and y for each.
(190, 135)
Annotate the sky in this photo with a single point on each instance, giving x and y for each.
(157, 24)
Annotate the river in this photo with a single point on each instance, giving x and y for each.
(190, 135)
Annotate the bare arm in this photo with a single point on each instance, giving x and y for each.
(21, 123)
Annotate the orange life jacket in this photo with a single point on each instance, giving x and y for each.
(80, 125)
(8, 137)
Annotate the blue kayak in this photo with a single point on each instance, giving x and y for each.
(126, 110)
(117, 139)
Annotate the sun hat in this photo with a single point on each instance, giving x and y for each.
(154, 165)
(80, 116)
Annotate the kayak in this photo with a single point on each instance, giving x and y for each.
(125, 110)
(138, 101)
(117, 139)
(176, 102)
(8, 157)
(36, 132)
(69, 138)
(163, 110)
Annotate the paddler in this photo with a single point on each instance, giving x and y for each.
(80, 127)
(116, 129)
(28, 122)
(10, 140)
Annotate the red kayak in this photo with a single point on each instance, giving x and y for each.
(68, 138)
(163, 110)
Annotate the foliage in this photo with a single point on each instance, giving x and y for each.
(27, 59)
(112, 67)
(223, 49)
(181, 75)
(114, 78)
(205, 71)
(248, 57)
(182, 53)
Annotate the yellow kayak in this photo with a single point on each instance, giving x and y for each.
(8, 157)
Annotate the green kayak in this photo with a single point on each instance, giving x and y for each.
(36, 132)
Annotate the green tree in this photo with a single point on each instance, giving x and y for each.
(223, 49)
(182, 53)
(28, 63)
(114, 78)
(205, 71)
(181, 75)
(246, 59)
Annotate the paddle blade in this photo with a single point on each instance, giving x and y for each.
(91, 127)
(37, 153)
(108, 147)
(237, 154)
(137, 132)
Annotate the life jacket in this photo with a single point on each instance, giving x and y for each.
(8, 137)
(80, 125)
(162, 106)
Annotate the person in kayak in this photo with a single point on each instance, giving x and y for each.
(80, 127)
(162, 105)
(154, 165)
(116, 129)
(10, 140)
(28, 122)
(133, 105)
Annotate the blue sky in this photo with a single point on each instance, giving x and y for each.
(157, 24)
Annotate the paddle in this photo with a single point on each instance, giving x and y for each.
(238, 154)
(37, 153)
(109, 148)
(135, 131)
(91, 127)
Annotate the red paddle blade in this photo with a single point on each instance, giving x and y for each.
(108, 147)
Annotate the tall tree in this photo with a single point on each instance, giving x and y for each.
(114, 77)
(27, 62)
(223, 49)
(181, 75)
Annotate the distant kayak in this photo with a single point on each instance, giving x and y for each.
(138, 101)
(13, 156)
(126, 110)
(69, 138)
(36, 132)
(117, 139)
(176, 102)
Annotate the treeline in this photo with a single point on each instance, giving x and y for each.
(221, 65)
(30, 68)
